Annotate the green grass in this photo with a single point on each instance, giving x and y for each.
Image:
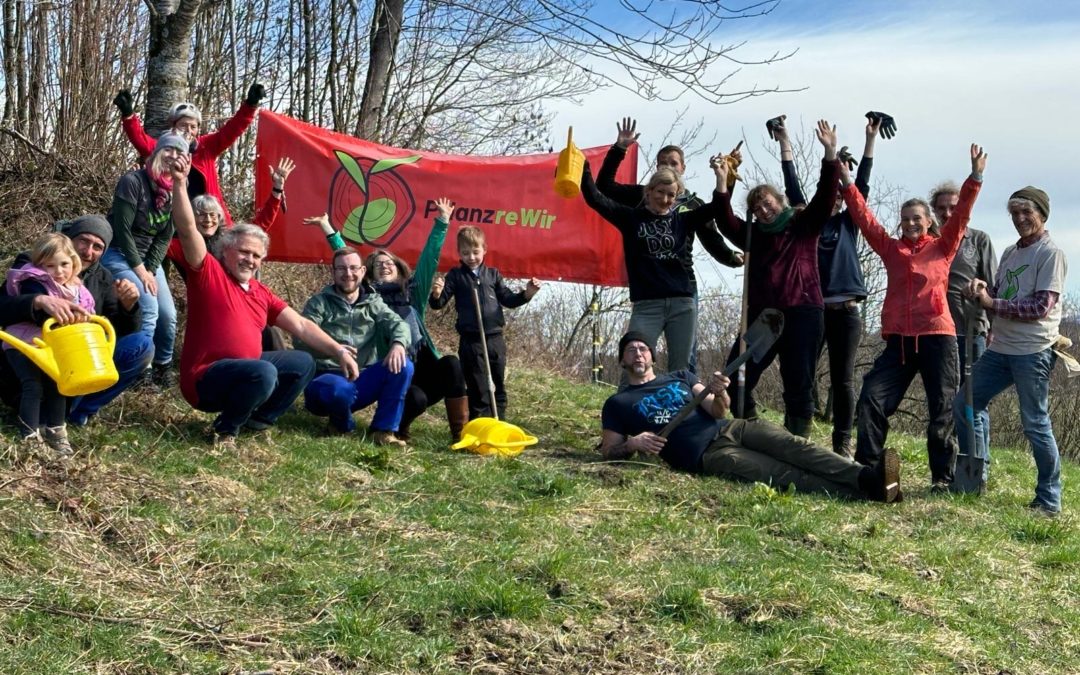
(304, 552)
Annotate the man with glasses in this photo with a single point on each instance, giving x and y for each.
(356, 316)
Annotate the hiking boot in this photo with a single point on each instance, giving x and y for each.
(799, 426)
(890, 469)
(457, 414)
(940, 486)
(881, 483)
(841, 445)
(163, 376)
(388, 438)
(403, 430)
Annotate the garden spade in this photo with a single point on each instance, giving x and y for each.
(759, 338)
(970, 472)
(483, 341)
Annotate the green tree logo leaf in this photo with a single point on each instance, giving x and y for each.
(1012, 280)
(386, 203)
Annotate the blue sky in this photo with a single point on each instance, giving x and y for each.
(1002, 74)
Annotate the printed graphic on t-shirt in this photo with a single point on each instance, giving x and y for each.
(659, 238)
(660, 407)
(967, 251)
(1012, 282)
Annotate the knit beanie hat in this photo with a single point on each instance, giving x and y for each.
(171, 140)
(181, 110)
(94, 224)
(635, 336)
(1037, 197)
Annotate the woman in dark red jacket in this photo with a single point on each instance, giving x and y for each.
(915, 321)
(783, 273)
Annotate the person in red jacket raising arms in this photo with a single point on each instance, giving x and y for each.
(915, 320)
(186, 120)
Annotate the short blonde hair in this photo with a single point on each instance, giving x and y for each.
(665, 176)
(470, 236)
(52, 244)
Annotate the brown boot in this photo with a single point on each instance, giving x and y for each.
(457, 414)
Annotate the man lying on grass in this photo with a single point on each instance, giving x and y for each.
(706, 443)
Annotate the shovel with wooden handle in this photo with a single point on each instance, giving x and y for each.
(970, 472)
(759, 338)
(483, 341)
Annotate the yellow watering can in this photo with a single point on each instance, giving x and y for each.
(489, 436)
(568, 171)
(78, 356)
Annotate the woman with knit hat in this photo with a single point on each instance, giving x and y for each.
(141, 219)
(186, 119)
(1024, 301)
(920, 338)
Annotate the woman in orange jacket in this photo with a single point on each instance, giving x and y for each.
(915, 320)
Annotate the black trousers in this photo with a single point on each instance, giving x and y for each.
(797, 349)
(40, 404)
(843, 333)
(934, 358)
(433, 380)
(471, 353)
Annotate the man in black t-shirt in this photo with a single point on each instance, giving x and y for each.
(707, 443)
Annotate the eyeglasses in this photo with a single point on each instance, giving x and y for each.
(355, 269)
(383, 263)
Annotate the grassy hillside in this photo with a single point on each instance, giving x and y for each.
(304, 552)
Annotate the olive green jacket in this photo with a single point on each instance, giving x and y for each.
(368, 324)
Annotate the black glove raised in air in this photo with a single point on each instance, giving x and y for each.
(888, 124)
(846, 157)
(774, 125)
(255, 94)
(124, 103)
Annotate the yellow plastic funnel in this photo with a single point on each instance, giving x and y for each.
(568, 171)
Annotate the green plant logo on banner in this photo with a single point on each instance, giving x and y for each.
(369, 201)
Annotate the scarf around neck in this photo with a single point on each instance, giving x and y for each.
(779, 224)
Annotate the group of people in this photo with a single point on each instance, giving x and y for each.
(944, 287)
(360, 340)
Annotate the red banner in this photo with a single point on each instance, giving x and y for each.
(383, 197)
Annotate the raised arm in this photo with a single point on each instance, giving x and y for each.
(729, 224)
(428, 263)
(184, 218)
(219, 141)
(862, 178)
(875, 234)
(132, 125)
(627, 195)
(820, 207)
(792, 187)
(278, 175)
(952, 232)
(610, 210)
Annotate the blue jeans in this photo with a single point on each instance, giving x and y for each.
(158, 311)
(131, 357)
(331, 395)
(255, 391)
(1030, 373)
(978, 347)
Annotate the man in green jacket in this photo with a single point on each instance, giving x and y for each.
(357, 317)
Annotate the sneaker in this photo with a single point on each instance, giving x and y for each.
(33, 445)
(940, 487)
(1040, 509)
(890, 469)
(225, 442)
(388, 438)
(57, 439)
(163, 376)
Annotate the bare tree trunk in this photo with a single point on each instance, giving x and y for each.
(171, 22)
(20, 64)
(36, 99)
(385, 31)
(10, 102)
